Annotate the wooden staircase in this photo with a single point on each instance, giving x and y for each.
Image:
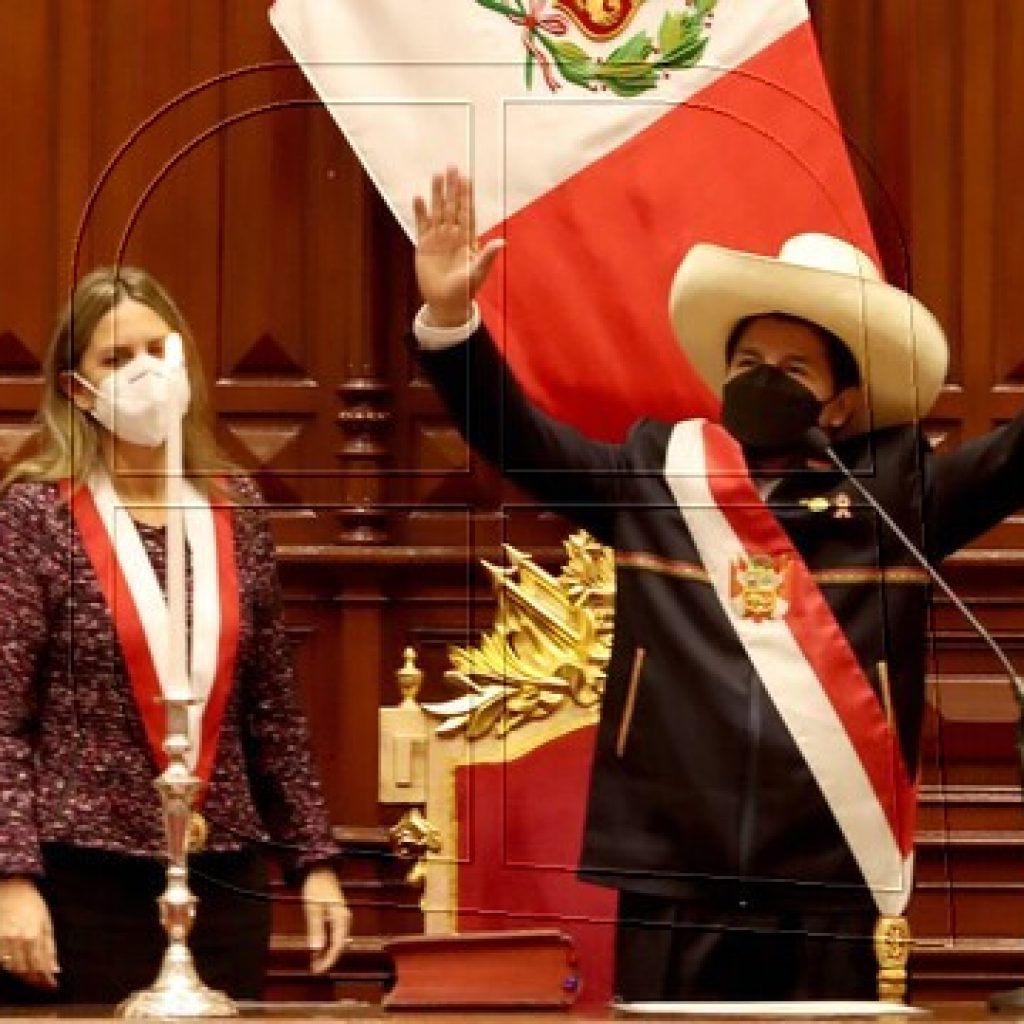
(967, 914)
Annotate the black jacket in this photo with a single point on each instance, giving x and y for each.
(698, 790)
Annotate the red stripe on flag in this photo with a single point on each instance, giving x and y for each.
(581, 305)
(818, 635)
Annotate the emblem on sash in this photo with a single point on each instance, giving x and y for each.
(759, 587)
(630, 68)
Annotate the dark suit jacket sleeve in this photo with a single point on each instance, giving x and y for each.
(567, 472)
(972, 489)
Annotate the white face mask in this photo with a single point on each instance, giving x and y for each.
(133, 401)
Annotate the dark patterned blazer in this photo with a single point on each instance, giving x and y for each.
(75, 764)
(698, 790)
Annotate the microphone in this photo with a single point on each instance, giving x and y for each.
(817, 440)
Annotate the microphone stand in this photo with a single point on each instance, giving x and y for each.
(1011, 1001)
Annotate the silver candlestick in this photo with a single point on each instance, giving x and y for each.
(178, 990)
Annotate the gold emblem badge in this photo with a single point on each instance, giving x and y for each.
(892, 950)
(820, 504)
(843, 505)
(759, 586)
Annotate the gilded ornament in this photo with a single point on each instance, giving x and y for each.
(550, 644)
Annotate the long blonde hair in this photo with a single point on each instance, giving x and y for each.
(69, 441)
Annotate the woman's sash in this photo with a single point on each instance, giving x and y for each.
(138, 608)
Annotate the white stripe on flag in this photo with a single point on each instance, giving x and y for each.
(393, 72)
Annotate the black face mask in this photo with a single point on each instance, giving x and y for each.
(766, 410)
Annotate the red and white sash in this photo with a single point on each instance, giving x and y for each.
(801, 655)
(139, 609)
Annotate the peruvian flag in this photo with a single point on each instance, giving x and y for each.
(605, 137)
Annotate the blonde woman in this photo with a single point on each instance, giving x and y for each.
(81, 834)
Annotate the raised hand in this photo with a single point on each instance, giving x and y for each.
(450, 267)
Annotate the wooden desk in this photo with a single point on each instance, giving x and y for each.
(305, 1013)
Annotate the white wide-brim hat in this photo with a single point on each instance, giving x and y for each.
(899, 346)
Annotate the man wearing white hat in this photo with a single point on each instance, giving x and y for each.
(753, 788)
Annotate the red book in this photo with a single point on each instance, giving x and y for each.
(484, 970)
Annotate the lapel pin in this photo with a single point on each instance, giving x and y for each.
(815, 504)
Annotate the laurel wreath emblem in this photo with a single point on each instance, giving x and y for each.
(635, 67)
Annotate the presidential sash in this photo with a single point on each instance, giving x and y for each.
(138, 608)
(801, 655)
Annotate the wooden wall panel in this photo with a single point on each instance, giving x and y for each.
(1008, 274)
(929, 92)
(27, 212)
(28, 216)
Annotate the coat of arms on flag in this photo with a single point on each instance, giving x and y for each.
(600, 18)
(632, 68)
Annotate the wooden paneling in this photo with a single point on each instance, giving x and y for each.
(929, 94)
(244, 198)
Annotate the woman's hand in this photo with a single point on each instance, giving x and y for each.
(26, 934)
(450, 267)
(327, 917)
